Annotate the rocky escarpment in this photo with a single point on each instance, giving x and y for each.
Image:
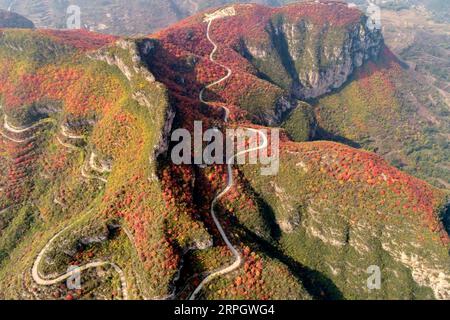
(129, 56)
(14, 20)
(310, 58)
(277, 55)
(327, 224)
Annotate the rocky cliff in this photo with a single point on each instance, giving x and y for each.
(279, 55)
(311, 58)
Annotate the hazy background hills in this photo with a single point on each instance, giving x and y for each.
(146, 16)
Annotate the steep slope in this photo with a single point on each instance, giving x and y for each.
(278, 55)
(340, 211)
(79, 141)
(387, 109)
(86, 182)
(256, 208)
(87, 177)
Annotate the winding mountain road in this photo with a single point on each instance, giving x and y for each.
(43, 281)
(67, 145)
(91, 162)
(37, 277)
(14, 139)
(100, 169)
(14, 129)
(40, 280)
(211, 58)
(230, 181)
(85, 175)
(18, 130)
(69, 136)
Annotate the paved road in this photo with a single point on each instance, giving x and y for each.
(14, 129)
(238, 257)
(43, 281)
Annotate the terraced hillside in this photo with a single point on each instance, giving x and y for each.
(87, 178)
(145, 16)
(79, 142)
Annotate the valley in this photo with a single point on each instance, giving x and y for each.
(87, 179)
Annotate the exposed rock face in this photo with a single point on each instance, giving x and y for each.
(139, 51)
(341, 59)
(290, 219)
(343, 239)
(13, 20)
(282, 107)
(427, 269)
(427, 264)
(144, 50)
(313, 59)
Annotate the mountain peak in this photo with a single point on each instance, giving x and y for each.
(302, 50)
(13, 20)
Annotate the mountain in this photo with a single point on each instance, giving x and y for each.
(306, 60)
(263, 55)
(290, 53)
(416, 83)
(439, 9)
(387, 109)
(87, 177)
(113, 16)
(13, 20)
(146, 16)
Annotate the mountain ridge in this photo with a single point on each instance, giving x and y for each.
(310, 232)
(151, 15)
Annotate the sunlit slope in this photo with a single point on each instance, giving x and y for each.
(385, 108)
(82, 130)
(339, 211)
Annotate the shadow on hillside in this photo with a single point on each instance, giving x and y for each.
(267, 212)
(177, 74)
(385, 61)
(446, 218)
(322, 134)
(319, 286)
